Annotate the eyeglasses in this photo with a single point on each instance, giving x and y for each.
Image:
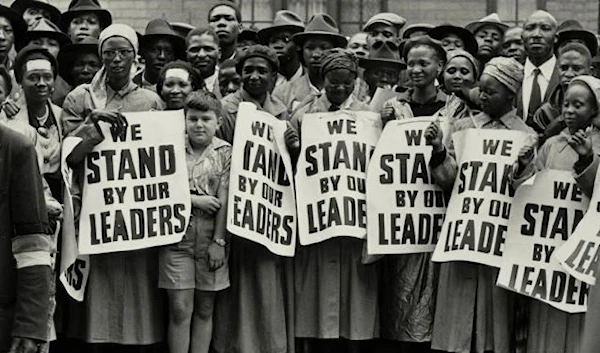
(111, 54)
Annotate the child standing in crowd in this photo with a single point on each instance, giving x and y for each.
(194, 270)
(552, 330)
(472, 313)
(408, 296)
(336, 295)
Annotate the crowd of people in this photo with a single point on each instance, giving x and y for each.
(63, 75)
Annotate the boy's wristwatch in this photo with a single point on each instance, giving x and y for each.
(220, 242)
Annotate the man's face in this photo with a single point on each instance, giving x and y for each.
(489, 40)
(382, 32)
(512, 46)
(158, 53)
(7, 36)
(203, 53)
(281, 42)
(539, 36)
(85, 25)
(49, 44)
(358, 45)
(312, 52)
(224, 22)
(33, 14)
(570, 65)
(85, 67)
(229, 81)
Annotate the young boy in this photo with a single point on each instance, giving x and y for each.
(194, 270)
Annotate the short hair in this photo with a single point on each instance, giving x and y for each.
(546, 14)
(203, 101)
(578, 47)
(199, 32)
(195, 79)
(7, 80)
(228, 3)
(228, 63)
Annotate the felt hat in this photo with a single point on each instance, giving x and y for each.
(45, 29)
(572, 29)
(260, 51)
(68, 54)
(417, 27)
(324, 26)
(386, 18)
(489, 20)
(77, 7)
(182, 28)
(24, 53)
(20, 6)
(18, 24)
(160, 28)
(383, 53)
(248, 34)
(284, 20)
(424, 40)
(441, 31)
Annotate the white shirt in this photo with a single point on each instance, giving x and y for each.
(210, 81)
(543, 80)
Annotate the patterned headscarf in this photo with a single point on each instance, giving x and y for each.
(463, 54)
(338, 58)
(506, 70)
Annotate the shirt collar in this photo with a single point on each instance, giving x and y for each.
(406, 96)
(482, 119)
(110, 92)
(209, 82)
(345, 105)
(270, 106)
(546, 68)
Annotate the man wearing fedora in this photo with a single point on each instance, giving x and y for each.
(382, 67)
(321, 33)
(278, 37)
(512, 45)
(489, 32)
(159, 45)
(384, 26)
(85, 18)
(34, 10)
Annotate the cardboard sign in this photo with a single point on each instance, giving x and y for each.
(262, 204)
(405, 208)
(136, 190)
(477, 218)
(546, 210)
(331, 174)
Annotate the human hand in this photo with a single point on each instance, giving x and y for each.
(216, 256)
(433, 136)
(10, 107)
(54, 209)
(581, 142)
(292, 140)
(117, 120)
(387, 114)
(525, 155)
(23, 345)
(206, 203)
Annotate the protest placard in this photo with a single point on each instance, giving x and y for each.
(477, 218)
(381, 96)
(580, 255)
(74, 268)
(331, 174)
(136, 192)
(545, 210)
(405, 208)
(262, 205)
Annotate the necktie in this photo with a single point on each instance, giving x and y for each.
(535, 101)
(334, 108)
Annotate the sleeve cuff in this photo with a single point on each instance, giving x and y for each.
(437, 158)
(582, 163)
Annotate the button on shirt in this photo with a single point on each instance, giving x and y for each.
(546, 70)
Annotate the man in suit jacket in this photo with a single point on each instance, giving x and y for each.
(541, 70)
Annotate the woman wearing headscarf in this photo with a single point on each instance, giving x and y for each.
(473, 314)
(551, 330)
(175, 82)
(122, 304)
(336, 295)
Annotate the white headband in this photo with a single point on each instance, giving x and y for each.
(38, 64)
(178, 73)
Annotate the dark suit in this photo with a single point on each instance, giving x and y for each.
(552, 84)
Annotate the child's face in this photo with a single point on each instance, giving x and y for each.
(423, 66)
(201, 126)
(229, 81)
(495, 97)
(338, 85)
(579, 107)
